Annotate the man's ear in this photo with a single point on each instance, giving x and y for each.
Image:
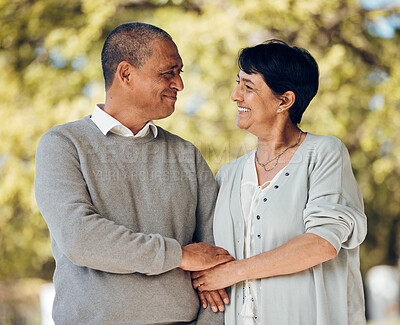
(287, 100)
(124, 72)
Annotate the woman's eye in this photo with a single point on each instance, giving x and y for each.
(247, 87)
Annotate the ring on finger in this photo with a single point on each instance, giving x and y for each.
(198, 283)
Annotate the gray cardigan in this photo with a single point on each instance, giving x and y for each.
(118, 210)
(317, 193)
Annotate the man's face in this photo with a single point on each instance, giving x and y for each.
(157, 83)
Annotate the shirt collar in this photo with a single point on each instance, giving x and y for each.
(106, 123)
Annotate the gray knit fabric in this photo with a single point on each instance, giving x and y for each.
(118, 210)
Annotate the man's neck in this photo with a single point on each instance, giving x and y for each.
(125, 116)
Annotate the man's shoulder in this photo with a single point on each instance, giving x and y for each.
(172, 138)
(69, 127)
(67, 131)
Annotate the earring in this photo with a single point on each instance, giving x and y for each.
(279, 109)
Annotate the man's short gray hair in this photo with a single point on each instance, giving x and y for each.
(131, 42)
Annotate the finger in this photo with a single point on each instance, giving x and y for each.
(195, 284)
(203, 299)
(198, 274)
(225, 258)
(221, 251)
(224, 296)
(221, 259)
(211, 301)
(218, 300)
(202, 288)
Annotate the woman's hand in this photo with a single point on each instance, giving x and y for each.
(218, 277)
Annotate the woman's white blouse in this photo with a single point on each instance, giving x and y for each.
(250, 195)
(316, 193)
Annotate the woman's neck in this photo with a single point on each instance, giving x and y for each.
(273, 143)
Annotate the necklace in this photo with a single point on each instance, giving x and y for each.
(276, 158)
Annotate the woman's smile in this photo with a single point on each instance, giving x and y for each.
(243, 109)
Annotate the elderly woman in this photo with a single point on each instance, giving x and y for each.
(290, 211)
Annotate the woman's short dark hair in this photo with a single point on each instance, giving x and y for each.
(284, 68)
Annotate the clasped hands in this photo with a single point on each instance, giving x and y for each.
(198, 258)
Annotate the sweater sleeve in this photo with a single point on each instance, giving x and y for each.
(334, 210)
(206, 197)
(79, 232)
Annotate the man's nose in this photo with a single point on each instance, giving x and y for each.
(177, 83)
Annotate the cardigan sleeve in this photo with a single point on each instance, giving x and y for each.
(79, 231)
(206, 197)
(334, 210)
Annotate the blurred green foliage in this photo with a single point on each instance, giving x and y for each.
(51, 74)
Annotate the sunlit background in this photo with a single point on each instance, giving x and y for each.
(50, 73)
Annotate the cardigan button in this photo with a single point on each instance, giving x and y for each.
(276, 186)
(265, 199)
(259, 236)
(287, 174)
(258, 217)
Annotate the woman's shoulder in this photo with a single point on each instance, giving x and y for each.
(324, 143)
(323, 140)
(236, 162)
(325, 147)
(232, 166)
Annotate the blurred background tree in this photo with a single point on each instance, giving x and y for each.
(51, 74)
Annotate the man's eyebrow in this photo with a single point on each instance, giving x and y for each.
(167, 68)
(245, 79)
(176, 66)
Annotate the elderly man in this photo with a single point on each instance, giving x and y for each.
(129, 205)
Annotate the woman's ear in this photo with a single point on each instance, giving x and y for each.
(287, 100)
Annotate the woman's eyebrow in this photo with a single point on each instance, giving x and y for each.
(245, 79)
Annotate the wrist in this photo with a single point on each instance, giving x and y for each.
(241, 273)
(183, 258)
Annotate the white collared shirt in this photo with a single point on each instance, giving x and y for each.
(106, 123)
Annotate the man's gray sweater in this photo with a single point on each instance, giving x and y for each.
(118, 210)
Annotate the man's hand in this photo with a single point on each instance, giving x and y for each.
(201, 256)
(216, 299)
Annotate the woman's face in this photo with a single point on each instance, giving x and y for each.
(257, 104)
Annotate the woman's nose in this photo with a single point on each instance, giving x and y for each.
(236, 94)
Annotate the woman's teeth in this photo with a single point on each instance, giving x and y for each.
(242, 109)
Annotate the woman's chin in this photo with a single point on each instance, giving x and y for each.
(240, 124)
